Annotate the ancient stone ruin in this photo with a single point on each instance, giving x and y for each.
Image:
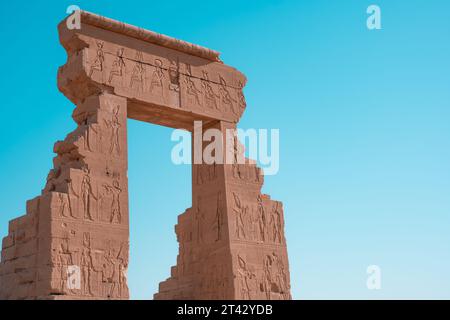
(73, 241)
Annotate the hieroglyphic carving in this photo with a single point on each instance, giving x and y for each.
(174, 76)
(226, 98)
(64, 260)
(117, 66)
(245, 275)
(218, 220)
(274, 278)
(191, 89)
(275, 224)
(241, 215)
(210, 96)
(90, 129)
(237, 155)
(240, 94)
(97, 65)
(65, 205)
(110, 276)
(87, 265)
(114, 125)
(199, 218)
(115, 191)
(138, 74)
(86, 193)
(262, 219)
(157, 81)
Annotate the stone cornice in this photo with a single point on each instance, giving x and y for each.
(148, 36)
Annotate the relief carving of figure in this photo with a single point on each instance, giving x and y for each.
(64, 260)
(275, 224)
(262, 219)
(114, 125)
(158, 77)
(209, 94)
(267, 277)
(65, 209)
(199, 218)
(225, 95)
(122, 278)
(87, 136)
(191, 88)
(237, 152)
(110, 274)
(117, 66)
(274, 278)
(281, 277)
(138, 73)
(244, 277)
(240, 94)
(87, 264)
(219, 216)
(115, 191)
(86, 194)
(97, 65)
(174, 76)
(241, 213)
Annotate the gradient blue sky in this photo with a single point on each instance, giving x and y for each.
(364, 128)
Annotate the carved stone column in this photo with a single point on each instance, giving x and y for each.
(73, 241)
(232, 243)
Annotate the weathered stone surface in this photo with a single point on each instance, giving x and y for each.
(73, 241)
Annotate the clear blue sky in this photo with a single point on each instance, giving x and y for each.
(364, 119)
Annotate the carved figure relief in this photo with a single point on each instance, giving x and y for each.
(87, 194)
(218, 220)
(210, 96)
(262, 219)
(114, 126)
(275, 223)
(226, 97)
(110, 274)
(158, 77)
(237, 152)
(87, 265)
(240, 94)
(174, 76)
(199, 219)
(274, 277)
(97, 65)
(89, 131)
(114, 191)
(65, 206)
(245, 275)
(64, 260)
(117, 66)
(138, 74)
(241, 214)
(191, 89)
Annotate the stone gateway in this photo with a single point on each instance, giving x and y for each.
(73, 241)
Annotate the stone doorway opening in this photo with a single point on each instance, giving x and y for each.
(158, 191)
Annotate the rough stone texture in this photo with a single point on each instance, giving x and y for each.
(231, 241)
